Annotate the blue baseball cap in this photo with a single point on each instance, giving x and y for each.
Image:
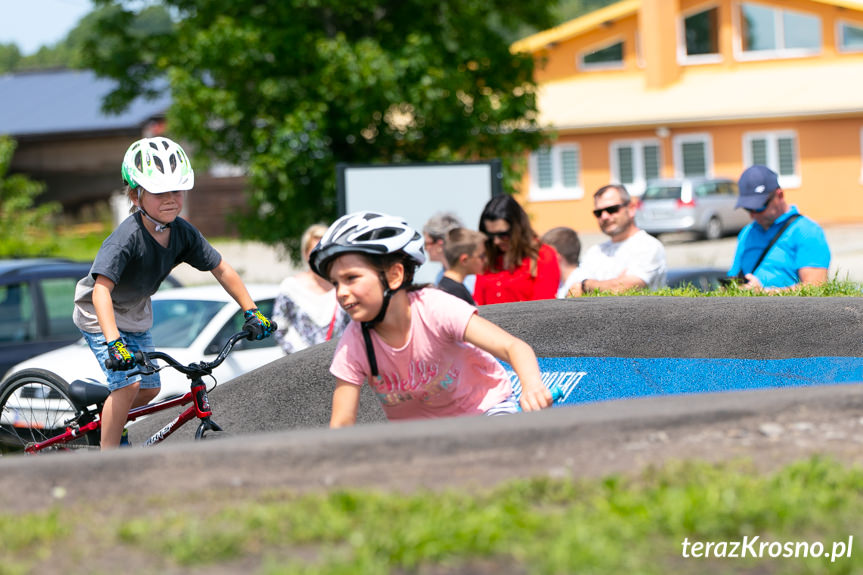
(755, 186)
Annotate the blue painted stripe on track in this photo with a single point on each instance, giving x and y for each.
(587, 379)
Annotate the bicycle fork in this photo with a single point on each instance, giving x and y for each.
(200, 409)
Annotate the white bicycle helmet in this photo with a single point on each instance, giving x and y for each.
(369, 233)
(158, 165)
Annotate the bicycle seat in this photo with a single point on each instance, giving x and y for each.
(84, 392)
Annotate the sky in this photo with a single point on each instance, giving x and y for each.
(33, 23)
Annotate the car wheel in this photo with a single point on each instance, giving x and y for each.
(713, 231)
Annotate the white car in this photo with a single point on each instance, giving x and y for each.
(189, 324)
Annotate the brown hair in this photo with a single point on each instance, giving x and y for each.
(382, 263)
(523, 241)
(461, 241)
(565, 241)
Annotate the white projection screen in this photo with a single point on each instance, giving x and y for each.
(418, 191)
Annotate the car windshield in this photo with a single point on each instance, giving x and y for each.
(177, 322)
(658, 192)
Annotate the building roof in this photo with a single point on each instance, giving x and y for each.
(593, 20)
(807, 89)
(577, 26)
(66, 101)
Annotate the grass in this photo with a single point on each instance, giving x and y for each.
(832, 288)
(539, 526)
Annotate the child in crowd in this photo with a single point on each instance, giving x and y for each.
(565, 242)
(112, 303)
(424, 353)
(465, 255)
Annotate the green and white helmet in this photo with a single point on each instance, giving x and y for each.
(158, 165)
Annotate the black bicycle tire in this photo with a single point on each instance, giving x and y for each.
(28, 427)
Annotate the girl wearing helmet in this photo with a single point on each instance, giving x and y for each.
(112, 304)
(424, 352)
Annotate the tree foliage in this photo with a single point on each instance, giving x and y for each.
(290, 88)
(25, 229)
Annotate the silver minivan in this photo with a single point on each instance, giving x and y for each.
(701, 205)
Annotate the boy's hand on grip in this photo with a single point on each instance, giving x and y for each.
(257, 324)
(122, 358)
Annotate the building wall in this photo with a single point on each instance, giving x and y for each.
(829, 155)
(213, 202)
(830, 160)
(557, 60)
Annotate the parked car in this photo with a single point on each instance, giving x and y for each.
(190, 324)
(701, 205)
(704, 279)
(36, 301)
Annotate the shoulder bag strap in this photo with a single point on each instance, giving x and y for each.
(784, 227)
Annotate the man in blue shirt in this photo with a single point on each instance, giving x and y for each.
(800, 256)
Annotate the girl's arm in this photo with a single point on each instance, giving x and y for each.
(230, 280)
(506, 347)
(346, 403)
(104, 306)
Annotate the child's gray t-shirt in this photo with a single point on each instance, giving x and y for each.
(137, 264)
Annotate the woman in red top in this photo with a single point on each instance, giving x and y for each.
(520, 267)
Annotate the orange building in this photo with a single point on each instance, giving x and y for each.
(645, 89)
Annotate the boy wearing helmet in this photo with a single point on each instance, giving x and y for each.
(112, 303)
(424, 352)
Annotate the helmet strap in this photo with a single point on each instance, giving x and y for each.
(160, 227)
(369, 325)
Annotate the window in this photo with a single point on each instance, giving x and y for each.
(693, 155)
(17, 318)
(850, 37)
(777, 151)
(634, 163)
(555, 173)
(605, 57)
(701, 34)
(59, 306)
(765, 30)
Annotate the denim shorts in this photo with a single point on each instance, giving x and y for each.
(135, 341)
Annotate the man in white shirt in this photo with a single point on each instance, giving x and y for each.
(631, 258)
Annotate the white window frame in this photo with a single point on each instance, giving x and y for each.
(637, 187)
(840, 35)
(677, 151)
(557, 191)
(581, 65)
(772, 138)
(779, 53)
(682, 57)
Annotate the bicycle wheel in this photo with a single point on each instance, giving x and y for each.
(34, 406)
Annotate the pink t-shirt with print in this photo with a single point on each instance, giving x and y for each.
(435, 374)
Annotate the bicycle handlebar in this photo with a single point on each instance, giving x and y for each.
(202, 368)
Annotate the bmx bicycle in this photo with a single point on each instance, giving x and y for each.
(39, 411)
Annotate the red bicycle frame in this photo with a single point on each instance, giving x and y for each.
(197, 396)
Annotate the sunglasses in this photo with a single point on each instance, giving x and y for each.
(764, 207)
(502, 235)
(610, 209)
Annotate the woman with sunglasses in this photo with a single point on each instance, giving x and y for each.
(520, 267)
